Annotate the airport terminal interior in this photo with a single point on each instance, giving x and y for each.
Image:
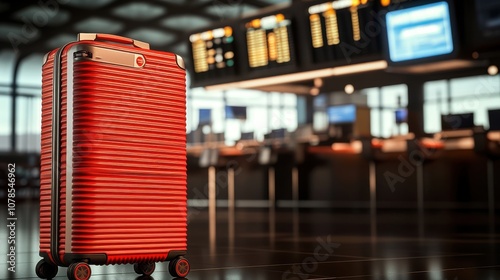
(346, 139)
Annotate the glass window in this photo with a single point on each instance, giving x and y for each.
(28, 123)
(7, 59)
(394, 96)
(388, 123)
(289, 99)
(436, 90)
(372, 95)
(257, 121)
(265, 111)
(301, 109)
(382, 103)
(432, 118)
(274, 98)
(375, 122)
(217, 112)
(30, 73)
(5, 122)
(475, 95)
(276, 119)
(477, 86)
(244, 97)
(320, 121)
(290, 119)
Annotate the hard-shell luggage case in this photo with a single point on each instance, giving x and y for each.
(113, 158)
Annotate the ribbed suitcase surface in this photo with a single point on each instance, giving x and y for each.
(129, 159)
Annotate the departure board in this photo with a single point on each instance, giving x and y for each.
(337, 29)
(213, 50)
(269, 41)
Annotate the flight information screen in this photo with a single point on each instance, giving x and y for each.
(324, 25)
(419, 32)
(213, 50)
(337, 29)
(269, 41)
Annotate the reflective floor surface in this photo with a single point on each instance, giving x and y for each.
(306, 244)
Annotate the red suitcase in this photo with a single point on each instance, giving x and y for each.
(113, 158)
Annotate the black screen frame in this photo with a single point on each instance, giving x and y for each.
(456, 38)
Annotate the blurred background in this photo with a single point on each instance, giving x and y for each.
(350, 106)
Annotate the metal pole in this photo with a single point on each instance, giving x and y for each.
(491, 188)
(420, 198)
(13, 135)
(211, 209)
(373, 187)
(231, 205)
(295, 186)
(373, 199)
(230, 188)
(271, 187)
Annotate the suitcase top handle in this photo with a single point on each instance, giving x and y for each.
(112, 38)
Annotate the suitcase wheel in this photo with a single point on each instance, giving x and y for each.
(79, 271)
(179, 267)
(46, 270)
(145, 268)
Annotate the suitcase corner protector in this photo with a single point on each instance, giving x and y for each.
(180, 62)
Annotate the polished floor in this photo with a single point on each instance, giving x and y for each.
(307, 244)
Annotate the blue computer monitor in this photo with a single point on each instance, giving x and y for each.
(204, 116)
(420, 32)
(236, 112)
(342, 114)
(401, 116)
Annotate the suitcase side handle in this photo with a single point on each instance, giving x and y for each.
(112, 38)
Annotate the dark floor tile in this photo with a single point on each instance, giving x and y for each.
(307, 244)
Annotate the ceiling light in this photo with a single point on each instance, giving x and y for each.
(318, 82)
(493, 70)
(349, 89)
(303, 76)
(359, 68)
(314, 91)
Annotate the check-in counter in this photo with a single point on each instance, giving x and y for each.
(457, 176)
(212, 168)
(383, 173)
(336, 174)
(245, 174)
(487, 144)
